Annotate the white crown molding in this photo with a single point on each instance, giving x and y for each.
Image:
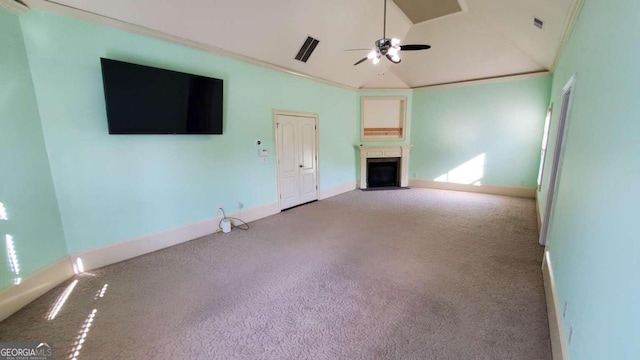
(75, 13)
(385, 89)
(13, 6)
(491, 80)
(568, 29)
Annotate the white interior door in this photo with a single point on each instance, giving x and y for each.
(297, 160)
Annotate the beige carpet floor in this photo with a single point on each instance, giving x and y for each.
(414, 274)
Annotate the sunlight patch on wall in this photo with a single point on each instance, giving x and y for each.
(13, 257)
(78, 267)
(471, 172)
(3, 212)
(14, 264)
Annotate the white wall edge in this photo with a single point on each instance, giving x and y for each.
(13, 7)
(15, 297)
(538, 215)
(572, 17)
(69, 11)
(519, 191)
(558, 343)
(113, 253)
(337, 190)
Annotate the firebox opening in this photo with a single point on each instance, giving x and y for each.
(383, 172)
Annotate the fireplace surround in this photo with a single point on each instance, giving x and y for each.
(384, 152)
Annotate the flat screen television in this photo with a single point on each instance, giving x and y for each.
(147, 100)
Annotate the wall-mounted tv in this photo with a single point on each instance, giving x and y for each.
(147, 100)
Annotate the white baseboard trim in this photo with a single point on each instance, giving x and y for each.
(15, 297)
(538, 216)
(558, 343)
(113, 253)
(519, 191)
(255, 213)
(337, 190)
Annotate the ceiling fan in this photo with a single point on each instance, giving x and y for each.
(387, 47)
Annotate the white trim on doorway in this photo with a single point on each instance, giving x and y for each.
(558, 157)
(315, 116)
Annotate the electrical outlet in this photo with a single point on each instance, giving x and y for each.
(240, 205)
(564, 310)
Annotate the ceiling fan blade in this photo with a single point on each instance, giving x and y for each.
(414, 47)
(361, 61)
(391, 59)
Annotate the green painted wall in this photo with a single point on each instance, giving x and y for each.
(26, 188)
(594, 243)
(112, 188)
(503, 121)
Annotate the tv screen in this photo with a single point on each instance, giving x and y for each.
(147, 100)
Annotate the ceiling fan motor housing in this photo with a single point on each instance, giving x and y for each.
(383, 45)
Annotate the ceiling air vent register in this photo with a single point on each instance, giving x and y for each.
(306, 49)
(538, 23)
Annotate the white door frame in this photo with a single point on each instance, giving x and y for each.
(317, 154)
(558, 158)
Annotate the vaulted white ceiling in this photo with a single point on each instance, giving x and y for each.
(488, 38)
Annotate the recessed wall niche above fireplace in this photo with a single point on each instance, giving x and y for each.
(381, 160)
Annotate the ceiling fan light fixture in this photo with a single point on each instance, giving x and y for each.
(388, 47)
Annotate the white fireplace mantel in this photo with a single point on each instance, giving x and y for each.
(398, 151)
